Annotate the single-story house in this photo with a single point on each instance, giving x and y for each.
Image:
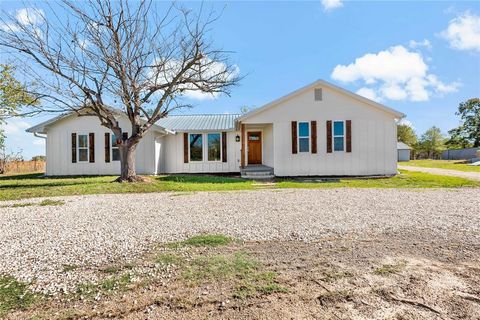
(403, 151)
(318, 130)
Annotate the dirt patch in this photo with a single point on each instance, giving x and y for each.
(396, 276)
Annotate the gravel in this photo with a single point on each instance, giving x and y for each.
(36, 243)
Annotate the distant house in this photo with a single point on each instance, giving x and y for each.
(318, 130)
(403, 151)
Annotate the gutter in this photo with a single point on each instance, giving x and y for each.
(39, 135)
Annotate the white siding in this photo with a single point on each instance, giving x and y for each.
(174, 156)
(373, 136)
(59, 148)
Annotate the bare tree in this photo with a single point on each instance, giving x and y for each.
(113, 57)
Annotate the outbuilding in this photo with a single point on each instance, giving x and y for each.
(403, 151)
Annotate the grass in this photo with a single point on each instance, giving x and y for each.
(14, 295)
(442, 164)
(388, 269)
(69, 267)
(34, 185)
(407, 179)
(43, 203)
(109, 285)
(243, 272)
(208, 240)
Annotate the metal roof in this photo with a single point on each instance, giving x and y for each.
(199, 122)
(402, 146)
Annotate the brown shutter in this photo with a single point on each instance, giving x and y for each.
(107, 147)
(349, 135)
(224, 147)
(91, 146)
(294, 137)
(313, 127)
(124, 136)
(329, 136)
(185, 147)
(74, 147)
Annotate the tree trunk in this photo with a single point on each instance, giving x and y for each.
(127, 162)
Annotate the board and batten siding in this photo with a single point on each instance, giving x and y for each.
(173, 156)
(374, 136)
(59, 148)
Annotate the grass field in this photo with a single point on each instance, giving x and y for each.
(34, 185)
(442, 164)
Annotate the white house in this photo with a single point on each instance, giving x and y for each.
(318, 130)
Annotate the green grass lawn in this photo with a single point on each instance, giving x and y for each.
(34, 185)
(442, 164)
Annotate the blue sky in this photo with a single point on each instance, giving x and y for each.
(421, 58)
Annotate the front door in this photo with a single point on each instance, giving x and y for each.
(254, 139)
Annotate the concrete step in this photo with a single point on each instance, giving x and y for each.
(258, 173)
(258, 177)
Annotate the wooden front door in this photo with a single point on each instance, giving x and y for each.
(254, 139)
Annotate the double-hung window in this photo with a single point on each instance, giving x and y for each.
(82, 146)
(115, 149)
(304, 137)
(338, 136)
(214, 148)
(196, 146)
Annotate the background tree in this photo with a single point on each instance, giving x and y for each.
(407, 135)
(118, 58)
(13, 95)
(468, 133)
(432, 143)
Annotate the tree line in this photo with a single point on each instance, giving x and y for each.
(432, 142)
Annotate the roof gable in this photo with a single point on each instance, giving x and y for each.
(322, 83)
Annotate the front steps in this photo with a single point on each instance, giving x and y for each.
(257, 172)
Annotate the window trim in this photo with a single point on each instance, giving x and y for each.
(203, 149)
(221, 143)
(337, 136)
(303, 137)
(87, 147)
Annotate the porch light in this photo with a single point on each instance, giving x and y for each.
(237, 138)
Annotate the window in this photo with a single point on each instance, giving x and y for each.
(82, 147)
(304, 137)
(115, 149)
(196, 147)
(338, 135)
(214, 146)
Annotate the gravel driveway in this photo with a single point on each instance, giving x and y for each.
(444, 172)
(37, 242)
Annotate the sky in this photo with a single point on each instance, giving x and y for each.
(421, 58)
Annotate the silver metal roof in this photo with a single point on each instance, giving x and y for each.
(199, 122)
(402, 146)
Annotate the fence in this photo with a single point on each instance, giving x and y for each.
(459, 154)
(24, 166)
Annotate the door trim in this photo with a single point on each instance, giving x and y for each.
(246, 138)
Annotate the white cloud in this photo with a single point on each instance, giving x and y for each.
(30, 16)
(418, 44)
(369, 94)
(394, 74)
(214, 70)
(463, 32)
(26, 17)
(329, 5)
(406, 122)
